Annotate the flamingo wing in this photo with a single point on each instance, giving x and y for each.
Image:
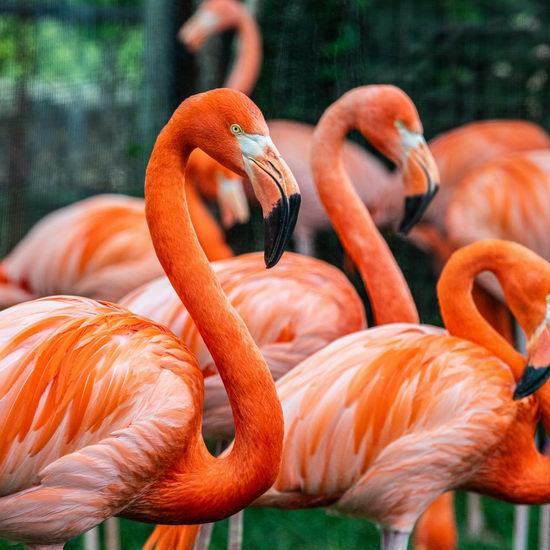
(382, 421)
(99, 247)
(505, 198)
(94, 402)
(292, 311)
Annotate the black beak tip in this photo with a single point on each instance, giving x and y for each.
(278, 228)
(532, 379)
(415, 206)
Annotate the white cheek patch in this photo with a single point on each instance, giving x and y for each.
(548, 309)
(410, 140)
(253, 145)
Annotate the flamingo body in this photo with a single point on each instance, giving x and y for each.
(381, 422)
(291, 311)
(99, 247)
(94, 401)
(504, 198)
(462, 149)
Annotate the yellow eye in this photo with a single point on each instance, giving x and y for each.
(236, 129)
(399, 125)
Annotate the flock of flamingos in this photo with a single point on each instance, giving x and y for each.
(104, 404)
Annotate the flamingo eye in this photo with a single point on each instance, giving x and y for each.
(399, 125)
(236, 129)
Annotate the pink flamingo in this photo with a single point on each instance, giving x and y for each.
(101, 248)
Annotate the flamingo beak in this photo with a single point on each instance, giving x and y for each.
(537, 371)
(277, 191)
(420, 178)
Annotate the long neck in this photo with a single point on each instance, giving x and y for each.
(521, 274)
(250, 468)
(246, 68)
(388, 292)
(515, 471)
(458, 309)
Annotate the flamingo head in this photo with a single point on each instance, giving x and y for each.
(390, 121)
(229, 127)
(537, 371)
(212, 17)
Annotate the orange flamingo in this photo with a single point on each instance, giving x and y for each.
(101, 248)
(460, 153)
(381, 422)
(103, 408)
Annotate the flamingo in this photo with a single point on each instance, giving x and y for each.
(101, 248)
(504, 198)
(459, 152)
(387, 117)
(102, 408)
(383, 421)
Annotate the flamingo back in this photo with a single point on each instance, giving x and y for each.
(463, 149)
(506, 198)
(99, 247)
(381, 422)
(292, 311)
(94, 404)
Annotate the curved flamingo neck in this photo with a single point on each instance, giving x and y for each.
(249, 469)
(246, 68)
(388, 292)
(524, 278)
(458, 309)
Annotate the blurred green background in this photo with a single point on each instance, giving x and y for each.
(86, 85)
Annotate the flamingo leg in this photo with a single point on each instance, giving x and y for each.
(475, 520)
(235, 540)
(521, 527)
(91, 539)
(544, 528)
(205, 535)
(521, 513)
(394, 540)
(112, 534)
